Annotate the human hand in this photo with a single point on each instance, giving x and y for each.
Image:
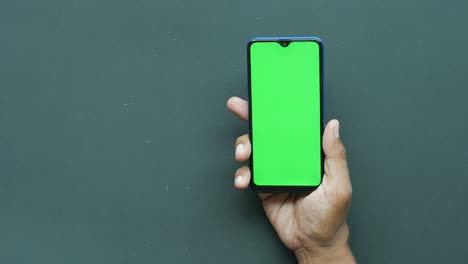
(313, 226)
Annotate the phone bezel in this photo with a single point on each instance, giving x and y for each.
(289, 189)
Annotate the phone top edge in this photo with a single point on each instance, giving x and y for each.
(291, 38)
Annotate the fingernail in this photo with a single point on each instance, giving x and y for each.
(337, 129)
(239, 149)
(239, 180)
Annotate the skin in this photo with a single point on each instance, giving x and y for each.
(313, 226)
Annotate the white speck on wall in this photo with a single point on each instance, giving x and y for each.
(129, 102)
(167, 188)
(187, 188)
(148, 141)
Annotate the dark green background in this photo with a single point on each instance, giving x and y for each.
(116, 146)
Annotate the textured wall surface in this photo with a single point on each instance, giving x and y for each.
(116, 146)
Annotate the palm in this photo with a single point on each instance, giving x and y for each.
(297, 217)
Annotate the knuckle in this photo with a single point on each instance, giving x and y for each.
(340, 154)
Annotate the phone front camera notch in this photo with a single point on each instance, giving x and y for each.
(284, 42)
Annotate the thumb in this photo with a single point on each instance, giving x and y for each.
(339, 188)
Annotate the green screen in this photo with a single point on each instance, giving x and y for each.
(285, 113)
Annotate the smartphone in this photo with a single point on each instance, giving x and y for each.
(285, 87)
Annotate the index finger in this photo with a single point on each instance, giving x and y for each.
(239, 107)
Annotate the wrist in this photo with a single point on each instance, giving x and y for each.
(337, 255)
(338, 251)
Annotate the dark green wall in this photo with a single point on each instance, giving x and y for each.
(116, 147)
